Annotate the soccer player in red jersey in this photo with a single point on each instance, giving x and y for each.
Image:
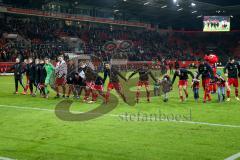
(144, 73)
(232, 71)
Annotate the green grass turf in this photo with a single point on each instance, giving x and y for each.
(27, 134)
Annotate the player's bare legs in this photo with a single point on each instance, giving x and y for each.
(206, 93)
(64, 90)
(181, 93)
(236, 93)
(138, 93)
(70, 90)
(185, 91)
(87, 93)
(120, 92)
(228, 91)
(107, 96)
(148, 92)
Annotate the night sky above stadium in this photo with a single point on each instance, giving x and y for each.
(222, 2)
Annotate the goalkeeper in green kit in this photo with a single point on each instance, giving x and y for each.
(49, 70)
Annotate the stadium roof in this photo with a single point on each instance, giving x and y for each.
(162, 12)
(168, 12)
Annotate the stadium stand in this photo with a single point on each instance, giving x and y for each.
(45, 37)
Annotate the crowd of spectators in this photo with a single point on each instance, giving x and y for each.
(35, 40)
(44, 37)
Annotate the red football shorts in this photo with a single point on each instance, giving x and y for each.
(233, 81)
(206, 83)
(90, 85)
(183, 83)
(60, 81)
(98, 88)
(114, 85)
(143, 83)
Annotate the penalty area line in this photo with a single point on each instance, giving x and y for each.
(114, 115)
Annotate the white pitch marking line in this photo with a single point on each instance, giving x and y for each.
(114, 115)
(5, 158)
(233, 157)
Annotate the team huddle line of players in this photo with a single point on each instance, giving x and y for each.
(40, 73)
(212, 81)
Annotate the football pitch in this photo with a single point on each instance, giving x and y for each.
(30, 128)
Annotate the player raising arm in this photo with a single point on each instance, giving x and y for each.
(114, 82)
(183, 81)
(232, 71)
(144, 73)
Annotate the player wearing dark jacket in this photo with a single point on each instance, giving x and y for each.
(89, 76)
(31, 74)
(114, 82)
(70, 75)
(99, 87)
(144, 74)
(36, 75)
(183, 81)
(206, 71)
(42, 74)
(18, 74)
(78, 85)
(113, 75)
(26, 70)
(232, 71)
